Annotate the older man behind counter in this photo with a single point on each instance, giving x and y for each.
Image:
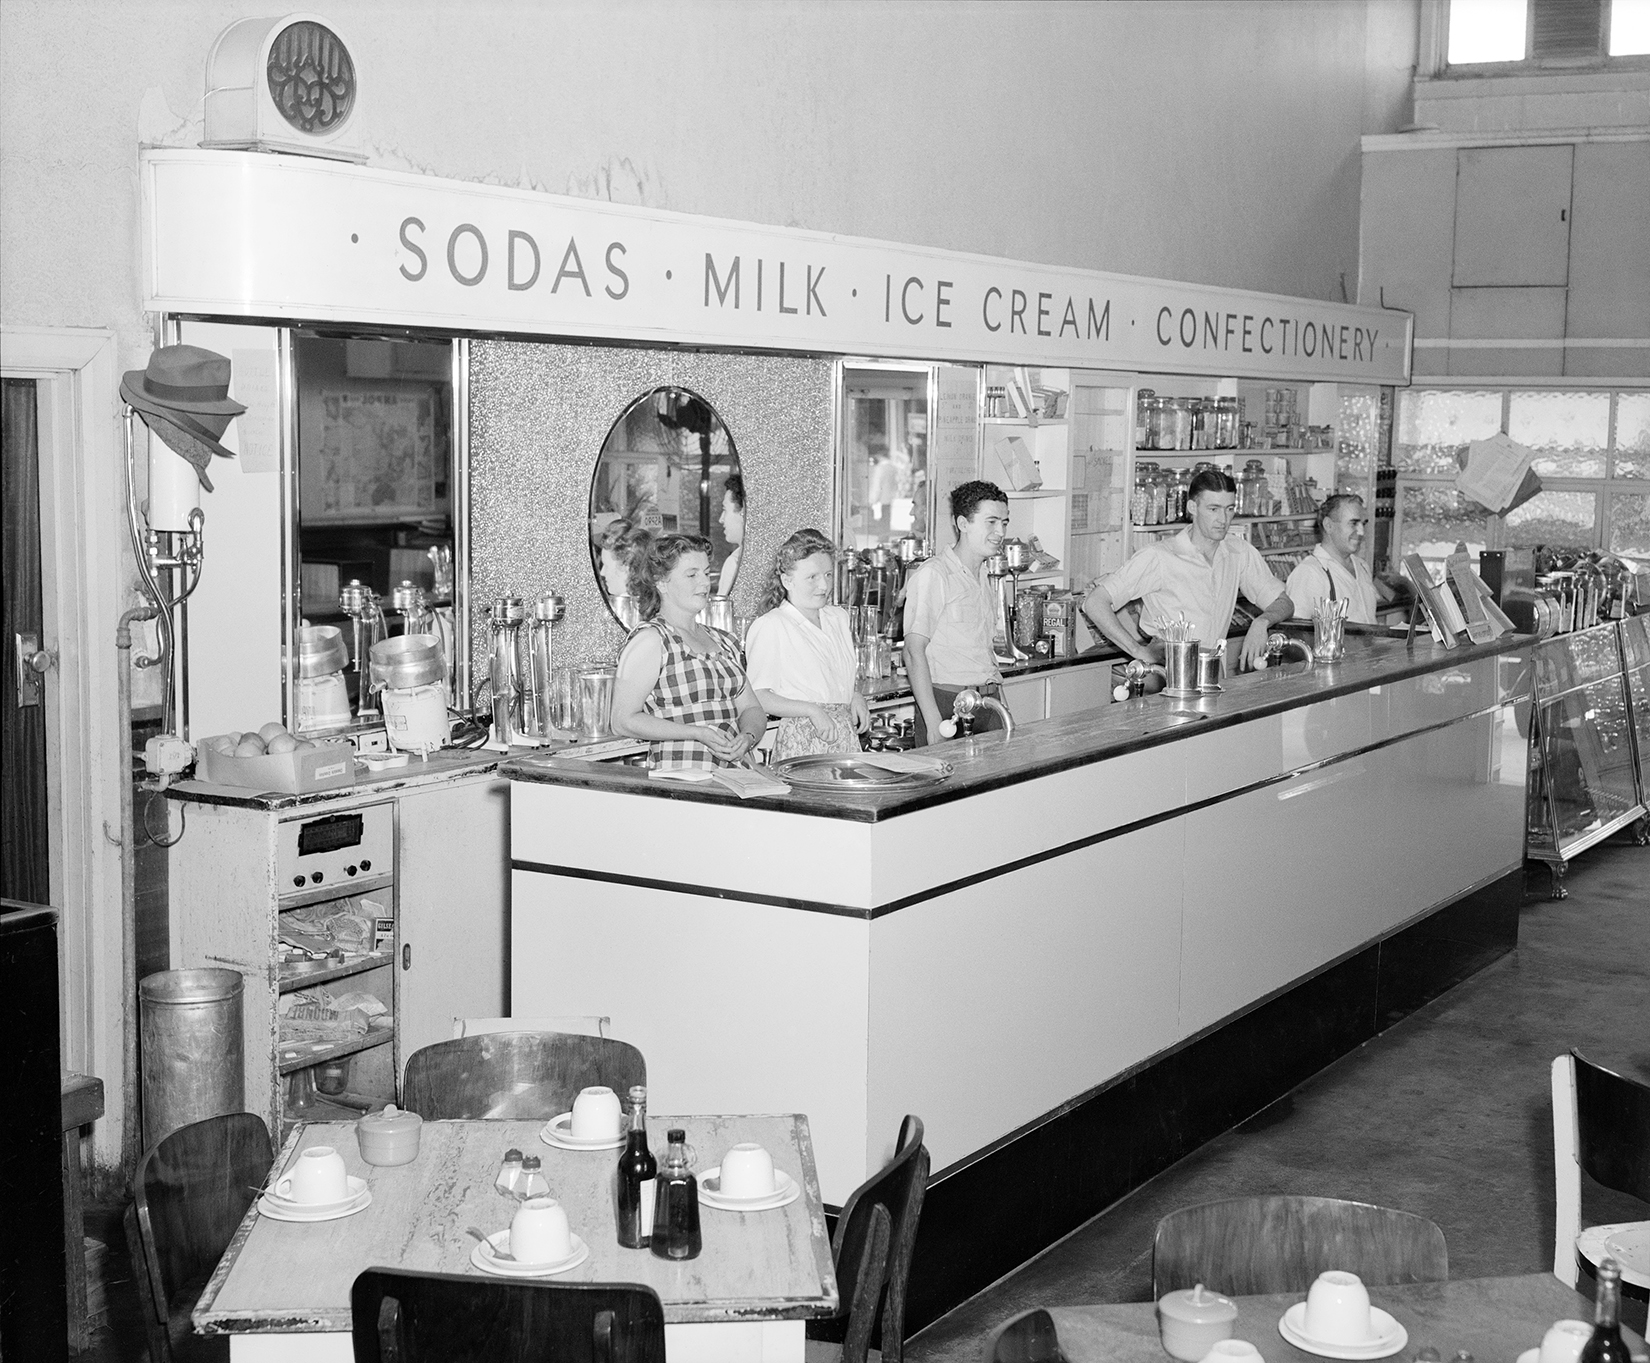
(1196, 574)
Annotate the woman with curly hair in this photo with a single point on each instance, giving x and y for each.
(800, 653)
(620, 549)
(681, 685)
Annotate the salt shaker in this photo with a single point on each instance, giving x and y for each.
(509, 1173)
(532, 1183)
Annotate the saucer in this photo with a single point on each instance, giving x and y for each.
(482, 1257)
(1389, 1336)
(786, 1191)
(1629, 1246)
(280, 1209)
(558, 1131)
(1529, 1356)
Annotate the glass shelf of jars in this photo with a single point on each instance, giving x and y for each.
(1031, 494)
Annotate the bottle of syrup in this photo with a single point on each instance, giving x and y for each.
(676, 1204)
(1606, 1344)
(637, 1169)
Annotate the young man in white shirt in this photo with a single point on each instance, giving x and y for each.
(951, 613)
(1196, 574)
(1334, 572)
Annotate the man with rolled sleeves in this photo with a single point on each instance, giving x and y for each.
(1196, 574)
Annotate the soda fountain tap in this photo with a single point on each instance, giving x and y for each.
(967, 704)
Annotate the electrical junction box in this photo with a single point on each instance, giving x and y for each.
(286, 84)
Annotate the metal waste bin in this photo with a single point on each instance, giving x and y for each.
(194, 1062)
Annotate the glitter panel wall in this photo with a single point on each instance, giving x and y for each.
(538, 416)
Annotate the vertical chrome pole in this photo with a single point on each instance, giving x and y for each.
(461, 520)
(292, 603)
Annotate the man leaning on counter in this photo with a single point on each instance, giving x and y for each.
(951, 615)
(1334, 572)
(1196, 574)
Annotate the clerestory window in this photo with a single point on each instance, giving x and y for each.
(1509, 36)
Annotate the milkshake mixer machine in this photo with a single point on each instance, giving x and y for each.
(506, 667)
(539, 672)
(360, 603)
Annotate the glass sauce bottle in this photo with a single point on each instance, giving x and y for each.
(1606, 1344)
(637, 1170)
(676, 1203)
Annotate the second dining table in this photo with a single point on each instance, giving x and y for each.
(282, 1289)
(1494, 1319)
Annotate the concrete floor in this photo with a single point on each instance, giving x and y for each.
(1448, 1114)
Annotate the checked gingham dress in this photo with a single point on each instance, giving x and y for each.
(694, 688)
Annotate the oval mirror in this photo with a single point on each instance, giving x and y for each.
(668, 466)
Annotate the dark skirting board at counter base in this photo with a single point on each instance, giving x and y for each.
(987, 1217)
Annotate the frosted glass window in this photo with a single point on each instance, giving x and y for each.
(1570, 431)
(1632, 457)
(1561, 519)
(1629, 28)
(1435, 424)
(1434, 518)
(1359, 433)
(1630, 523)
(1486, 31)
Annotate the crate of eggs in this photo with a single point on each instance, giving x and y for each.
(271, 759)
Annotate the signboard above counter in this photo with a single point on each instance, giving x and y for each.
(243, 234)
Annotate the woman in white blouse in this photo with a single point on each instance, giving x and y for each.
(799, 653)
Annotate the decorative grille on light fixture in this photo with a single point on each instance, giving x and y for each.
(284, 84)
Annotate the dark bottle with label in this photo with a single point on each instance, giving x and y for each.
(637, 1169)
(676, 1205)
(1607, 1345)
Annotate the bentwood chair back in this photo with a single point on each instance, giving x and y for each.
(1601, 1127)
(1029, 1338)
(189, 1195)
(1255, 1246)
(521, 1075)
(580, 1024)
(872, 1249)
(404, 1317)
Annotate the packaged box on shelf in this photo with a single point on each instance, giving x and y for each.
(329, 765)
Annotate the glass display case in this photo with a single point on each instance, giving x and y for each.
(1584, 764)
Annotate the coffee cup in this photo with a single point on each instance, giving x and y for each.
(316, 1176)
(1232, 1351)
(539, 1232)
(1337, 1309)
(747, 1171)
(596, 1114)
(1564, 1340)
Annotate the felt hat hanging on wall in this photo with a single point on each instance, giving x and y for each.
(183, 397)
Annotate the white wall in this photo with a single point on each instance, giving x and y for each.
(1212, 142)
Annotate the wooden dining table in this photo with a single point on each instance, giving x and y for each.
(282, 1289)
(1493, 1319)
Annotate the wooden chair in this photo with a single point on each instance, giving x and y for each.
(405, 1317)
(189, 1195)
(1601, 1126)
(872, 1248)
(1253, 1246)
(577, 1024)
(522, 1075)
(1029, 1338)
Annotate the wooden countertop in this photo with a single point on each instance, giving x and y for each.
(1047, 746)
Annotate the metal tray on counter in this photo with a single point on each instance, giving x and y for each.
(850, 771)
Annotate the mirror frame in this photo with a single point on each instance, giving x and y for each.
(648, 395)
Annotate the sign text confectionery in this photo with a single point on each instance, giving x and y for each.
(243, 234)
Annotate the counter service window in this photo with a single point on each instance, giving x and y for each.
(375, 488)
(668, 466)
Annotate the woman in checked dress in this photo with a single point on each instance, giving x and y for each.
(681, 684)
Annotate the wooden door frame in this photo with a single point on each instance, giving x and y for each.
(81, 495)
